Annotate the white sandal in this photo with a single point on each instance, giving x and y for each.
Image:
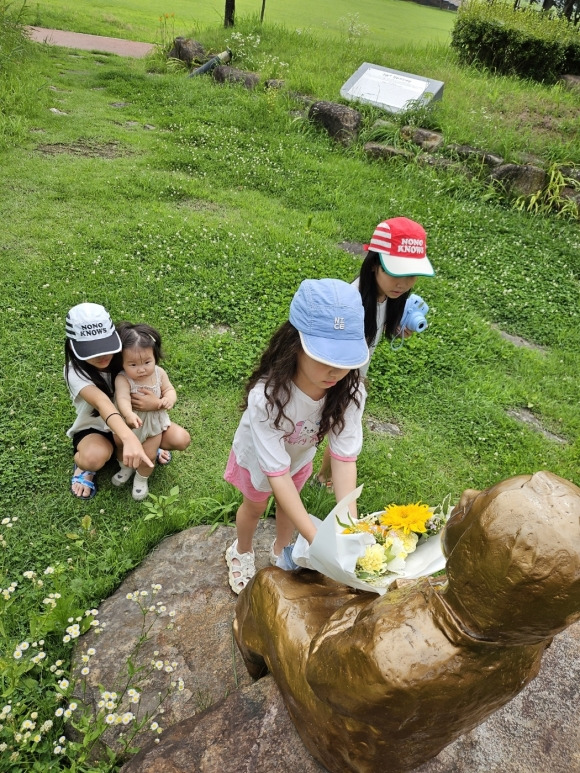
(273, 557)
(245, 568)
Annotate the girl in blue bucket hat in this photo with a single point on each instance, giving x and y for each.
(305, 387)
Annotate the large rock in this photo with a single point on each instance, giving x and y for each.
(520, 180)
(187, 50)
(250, 731)
(223, 73)
(341, 122)
(224, 722)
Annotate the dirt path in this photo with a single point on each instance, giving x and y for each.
(90, 42)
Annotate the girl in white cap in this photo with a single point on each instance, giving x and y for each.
(91, 343)
(396, 257)
(306, 386)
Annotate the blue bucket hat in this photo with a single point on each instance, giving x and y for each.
(329, 316)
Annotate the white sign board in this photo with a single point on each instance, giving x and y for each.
(390, 89)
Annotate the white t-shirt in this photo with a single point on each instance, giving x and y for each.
(264, 451)
(381, 319)
(85, 418)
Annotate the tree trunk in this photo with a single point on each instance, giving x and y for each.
(568, 8)
(263, 10)
(230, 13)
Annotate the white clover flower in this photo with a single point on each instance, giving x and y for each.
(45, 727)
(49, 570)
(27, 725)
(29, 575)
(37, 738)
(58, 750)
(3, 747)
(14, 756)
(62, 739)
(4, 521)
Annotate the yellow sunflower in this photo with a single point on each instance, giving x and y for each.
(408, 518)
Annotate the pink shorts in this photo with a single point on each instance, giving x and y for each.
(240, 478)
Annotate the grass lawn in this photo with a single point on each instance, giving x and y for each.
(378, 20)
(199, 208)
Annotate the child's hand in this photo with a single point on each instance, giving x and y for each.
(166, 403)
(133, 421)
(145, 401)
(408, 333)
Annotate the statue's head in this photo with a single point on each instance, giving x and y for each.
(513, 558)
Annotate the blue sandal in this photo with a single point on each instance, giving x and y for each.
(159, 450)
(80, 478)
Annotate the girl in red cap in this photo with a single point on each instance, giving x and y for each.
(396, 257)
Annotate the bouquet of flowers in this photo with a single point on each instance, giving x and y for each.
(371, 552)
(397, 531)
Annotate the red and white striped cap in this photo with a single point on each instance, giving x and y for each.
(402, 247)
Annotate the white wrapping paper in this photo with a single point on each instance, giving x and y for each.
(335, 554)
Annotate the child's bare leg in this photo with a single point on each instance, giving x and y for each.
(140, 481)
(175, 438)
(247, 519)
(93, 452)
(150, 447)
(284, 531)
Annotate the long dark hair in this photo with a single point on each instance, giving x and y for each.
(368, 289)
(277, 368)
(85, 370)
(140, 336)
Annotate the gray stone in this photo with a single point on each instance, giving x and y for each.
(440, 162)
(424, 138)
(274, 83)
(378, 150)
(520, 180)
(249, 731)
(355, 248)
(340, 121)
(570, 172)
(571, 82)
(383, 427)
(191, 569)
(467, 152)
(187, 50)
(223, 73)
(527, 417)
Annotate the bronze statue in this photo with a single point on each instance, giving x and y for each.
(380, 684)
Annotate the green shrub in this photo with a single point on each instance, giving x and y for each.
(523, 42)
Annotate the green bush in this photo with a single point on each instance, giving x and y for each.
(523, 42)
